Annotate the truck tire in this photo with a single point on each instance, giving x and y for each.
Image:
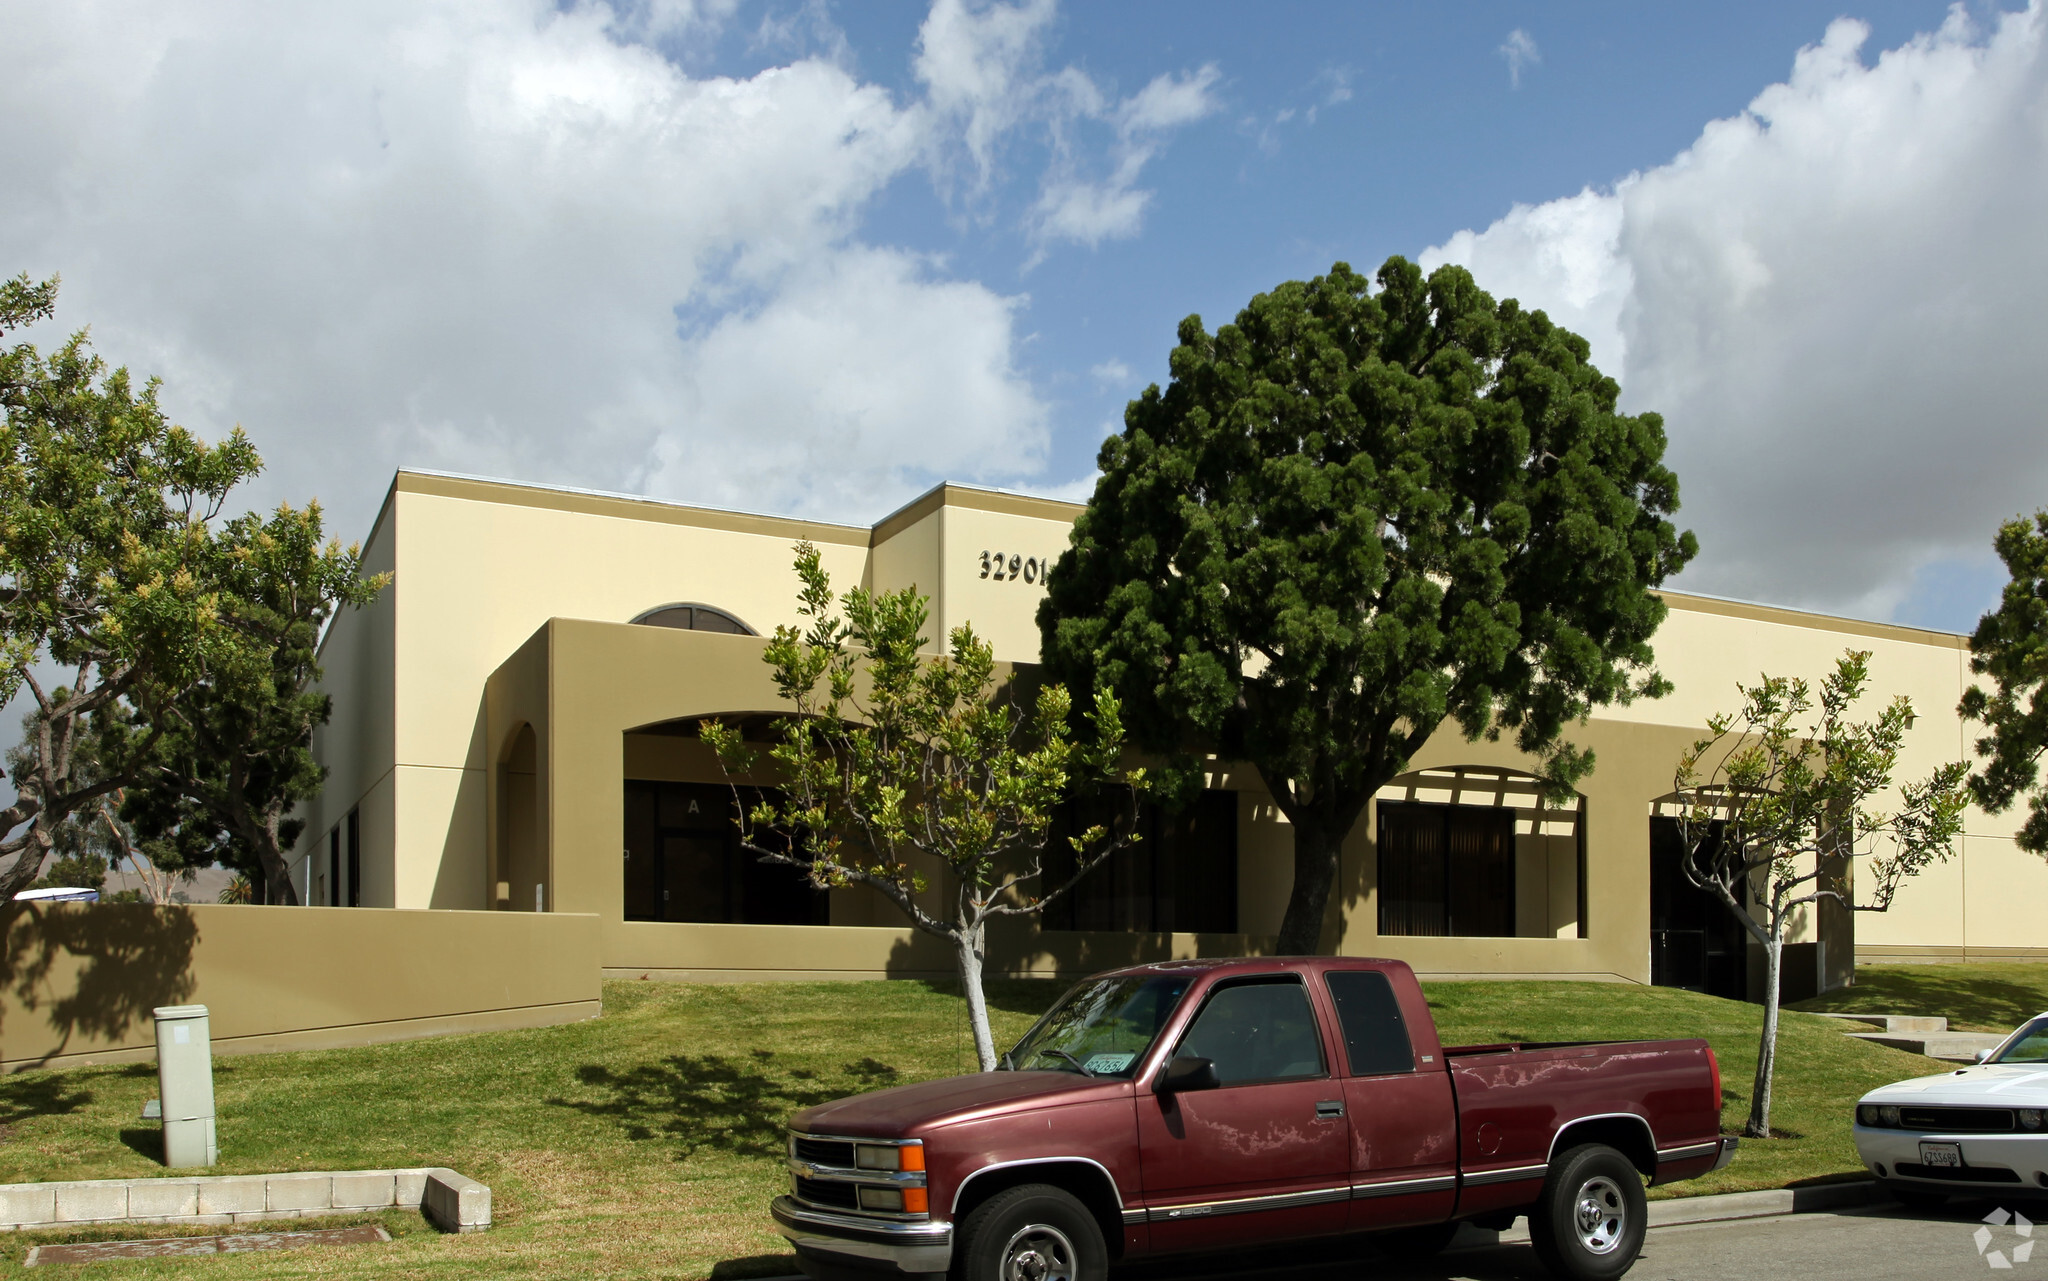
(1036, 1232)
(1588, 1223)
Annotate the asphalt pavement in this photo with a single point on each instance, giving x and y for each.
(1873, 1244)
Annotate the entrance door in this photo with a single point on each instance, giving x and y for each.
(1271, 1143)
(1695, 941)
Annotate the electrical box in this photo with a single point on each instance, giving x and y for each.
(184, 1074)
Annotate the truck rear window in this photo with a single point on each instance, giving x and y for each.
(1375, 1038)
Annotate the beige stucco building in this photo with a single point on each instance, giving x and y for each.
(513, 730)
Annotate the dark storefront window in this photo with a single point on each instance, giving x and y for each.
(1446, 870)
(684, 862)
(1695, 941)
(1181, 877)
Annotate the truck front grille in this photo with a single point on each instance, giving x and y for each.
(823, 1152)
(841, 1196)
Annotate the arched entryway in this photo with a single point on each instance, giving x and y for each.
(519, 863)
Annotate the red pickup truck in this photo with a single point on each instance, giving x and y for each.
(1218, 1105)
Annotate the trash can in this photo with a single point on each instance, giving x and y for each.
(184, 1075)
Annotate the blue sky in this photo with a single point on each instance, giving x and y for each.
(811, 257)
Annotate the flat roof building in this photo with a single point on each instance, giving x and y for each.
(514, 720)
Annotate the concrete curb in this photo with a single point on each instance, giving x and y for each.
(454, 1203)
(1679, 1210)
(1710, 1209)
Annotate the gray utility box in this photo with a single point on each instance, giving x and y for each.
(184, 1073)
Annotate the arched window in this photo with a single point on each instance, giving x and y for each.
(695, 618)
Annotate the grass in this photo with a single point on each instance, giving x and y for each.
(647, 1143)
(1975, 998)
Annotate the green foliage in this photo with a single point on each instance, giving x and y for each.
(188, 640)
(226, 765)
(1352, 515)
(890, 762)
(1776, 800)
(2011, 647)
(107, 561)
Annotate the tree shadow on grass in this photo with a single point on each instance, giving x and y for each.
(716, 1102)
(39, 1094)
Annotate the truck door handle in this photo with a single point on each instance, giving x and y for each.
(1329, 1109)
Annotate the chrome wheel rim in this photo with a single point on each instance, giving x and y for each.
(1038, 1252)
(1600, 1215)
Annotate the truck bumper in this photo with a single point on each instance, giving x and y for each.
(857, 1241)
(1727, 1154)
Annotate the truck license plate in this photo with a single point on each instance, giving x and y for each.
(1942, 1156)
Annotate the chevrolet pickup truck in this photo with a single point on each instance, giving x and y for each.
(1198, 1106)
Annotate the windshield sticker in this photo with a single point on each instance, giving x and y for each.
(1106, 1063)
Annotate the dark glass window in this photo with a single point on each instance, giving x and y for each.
(355, 861)
(1257, 1031)
(1695, 941)
(695, 618)
(1446, 870)
(1375, 1038)
(684, 862)
(1181, 876)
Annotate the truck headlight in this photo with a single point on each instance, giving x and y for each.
(887, 1200)
(1888, 1115)
(877, 1156)
(2030, 1118)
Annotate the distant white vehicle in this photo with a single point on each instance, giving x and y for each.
(1978, 1131)
(58, 894)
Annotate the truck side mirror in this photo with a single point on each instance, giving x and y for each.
(1187, 1074)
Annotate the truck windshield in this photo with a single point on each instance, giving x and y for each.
(2030, 1046)
(1101, 1028)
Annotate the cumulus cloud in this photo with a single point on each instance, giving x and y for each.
(519, 238)
(1834, 299)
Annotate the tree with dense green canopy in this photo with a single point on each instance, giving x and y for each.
(117, 568)
(1352, 515)
(2010, 646)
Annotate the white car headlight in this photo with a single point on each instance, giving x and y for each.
(2030, 1118)
(1888, 1115)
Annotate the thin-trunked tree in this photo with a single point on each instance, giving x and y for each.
(889, 757)
(1775, 804)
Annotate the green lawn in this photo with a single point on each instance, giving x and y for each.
(647, 1143)
(1975, 998)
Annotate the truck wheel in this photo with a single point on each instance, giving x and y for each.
(1588, 1223)
(1032, 1233)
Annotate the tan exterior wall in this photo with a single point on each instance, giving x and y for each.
(509, 608)
(79, 980)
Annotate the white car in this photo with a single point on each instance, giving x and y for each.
(1978, 1131)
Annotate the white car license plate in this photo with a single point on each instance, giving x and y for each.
(1942, 1156)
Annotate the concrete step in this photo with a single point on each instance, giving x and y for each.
(1896, 1022)
(1958, 1047)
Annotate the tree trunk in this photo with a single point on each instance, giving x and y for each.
(1759, 1124)
(277, 874)
(1315, 871)
(970, 945)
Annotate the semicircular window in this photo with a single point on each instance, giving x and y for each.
(695, 618)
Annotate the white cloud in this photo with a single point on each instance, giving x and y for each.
(499, 236)
(1520, 51)
(981, 66)
(1834, 299)
(1111, 373)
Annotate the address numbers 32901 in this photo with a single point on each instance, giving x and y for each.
(1013, 567)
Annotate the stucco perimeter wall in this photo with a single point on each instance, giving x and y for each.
(78, 981)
